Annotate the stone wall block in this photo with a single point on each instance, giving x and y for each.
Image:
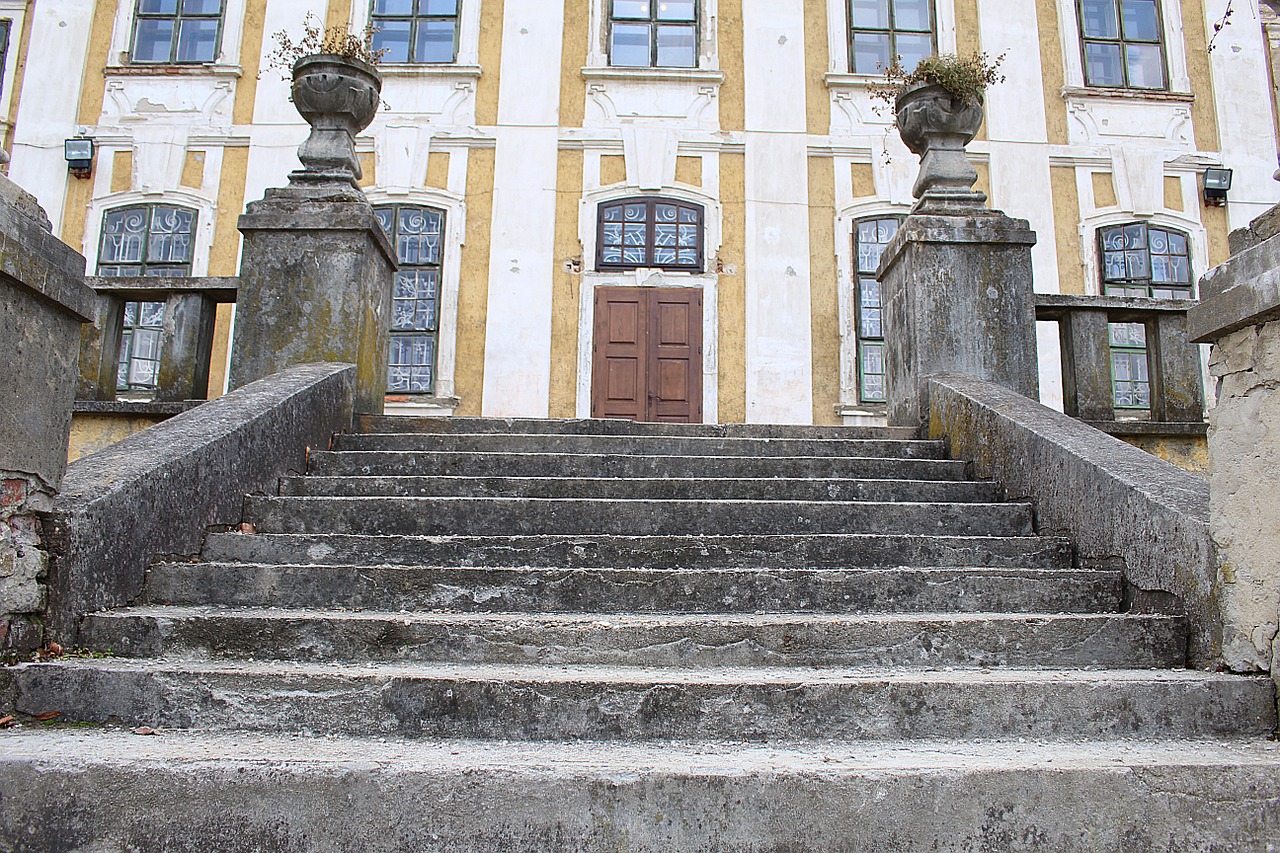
(1179, 394)
(188, 344)
(1087, 349)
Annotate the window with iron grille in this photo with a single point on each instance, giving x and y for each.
(653, 33)
(882, 29)
(1122, 44)
(177, 32)
(418, 235)
(870, 236)
(650, 232)
(1143, 260)
(150, 240)
(1130, 367)
(422, 31)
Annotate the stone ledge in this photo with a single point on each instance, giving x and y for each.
(1242, 291)
(1150, 428)
(132, 407)
(1053, 305)
(31, 256)
(143, 288)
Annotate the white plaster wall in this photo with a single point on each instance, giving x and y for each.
(49, 101)
(778, 346)
(517, 361)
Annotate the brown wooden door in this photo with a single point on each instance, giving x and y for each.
(647, 359)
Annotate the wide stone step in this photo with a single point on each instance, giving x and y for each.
(499, 464)
(654, 488)
(534, 516)
(534, 702)
(555, 590)
(609, 426)
(346, 794)
(644, 445)
(838, 550)
(623, 639)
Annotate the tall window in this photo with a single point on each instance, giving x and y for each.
(1122, 43)
(882, 29)
(415, 30)
(177, 31)
(870, 236)
(659, 233)
(1141, 260)
(653, 33)
(151, 240)
(1130, 370)
(417, 233)
(5, 26)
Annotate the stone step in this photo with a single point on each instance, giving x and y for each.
(344, 794)
(643, 445)
(783, 489)
(556, 590)
(536, 516)
(649, 639)
(815, 551)
(535, 702)
(609, 426)
(499, 464)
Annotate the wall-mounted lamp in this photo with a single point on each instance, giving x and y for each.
(1216, 184)
(79, 155)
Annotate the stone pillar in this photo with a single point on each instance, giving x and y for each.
(43, 302)
(188, 344)
(1240, 314)
(1178, 393)
(957, 289)
(100, 349)
(1086, 363)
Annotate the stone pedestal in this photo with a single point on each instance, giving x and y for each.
(958, 298)
(43, 301)
(315, 286)
(1240, 314)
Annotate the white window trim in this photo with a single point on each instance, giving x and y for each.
(708, 54)
(838, 73)
(15, 11)
(1174, 53)
(202, 238)
(444, 400)
(227, 60)
(468, 59)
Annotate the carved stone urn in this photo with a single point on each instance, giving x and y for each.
(338, 96)
(936, 126)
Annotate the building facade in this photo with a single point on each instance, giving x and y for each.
(664, 209)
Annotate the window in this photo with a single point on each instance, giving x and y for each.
(882, 29)
(1141, 260)
(1130, 375)
(5, 26)
(138, 367)
(653, 33)
(1122, 44)
(177, 31)
(656, 233)
(417, 233)
(870, 236)
(415, 30)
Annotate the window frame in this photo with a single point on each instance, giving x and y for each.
(610, 20)
(1104, 284)
(891, 30)
(415, 19)
(433, 333)
(176, 17)
(651, 220)
(1167, 72)
(862, 340)
(157, 268)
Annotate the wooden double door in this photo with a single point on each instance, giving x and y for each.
(647, 354)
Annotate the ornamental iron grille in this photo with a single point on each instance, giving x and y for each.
(1130, 366)
(150, 240)
(1122, 44)
(656, 233)
(870, 236)
(177, 32)
(418, 235)
(882, 29)
(1141, 260)
(653, 33)
(422, 31)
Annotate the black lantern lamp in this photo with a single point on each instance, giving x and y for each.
(79, 156)
(1216, 183)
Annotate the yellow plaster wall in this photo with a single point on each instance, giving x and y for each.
(863, 180)
(90, 432)
(1190, 453)
(369, 168)
(817, 49)
(733, 104)
(573, 56)
(92, 90)
(438, 170)
(1051, 71)
(969, 39)
(731, 290)
(473, 289)
(1215, 224)
(1066, 218)
(23, 45)
(983, 184)
(613, 169)
(565, 296)
(689, 171)
(337, 13)
(490, 62)
(122, 171)
(251, 61)
(1104, 190)
(224, 255)
(1204, 110)
(193, 170)
(824, 309)
(1172, 193)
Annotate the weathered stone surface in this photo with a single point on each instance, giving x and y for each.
(611, 426)
(315, 286)
(1261, 228)
(957, 299)
(1242, 291)
(156, 491)
(1113, 500)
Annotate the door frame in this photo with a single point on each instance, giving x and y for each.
(706, 282)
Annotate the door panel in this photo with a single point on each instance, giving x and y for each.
(647, 361)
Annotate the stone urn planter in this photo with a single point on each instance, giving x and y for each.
(936, 126)
(338, 96)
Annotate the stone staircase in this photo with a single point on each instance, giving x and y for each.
(478, 634)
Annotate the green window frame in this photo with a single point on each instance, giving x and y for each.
(1130, 366)
(423, 32)
(418, 234)
(176, 32)
(882, 29)
(1122, 44)
(870, 236)
(653, 33)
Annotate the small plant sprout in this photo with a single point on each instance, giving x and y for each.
(337, 40)
(966, 78)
